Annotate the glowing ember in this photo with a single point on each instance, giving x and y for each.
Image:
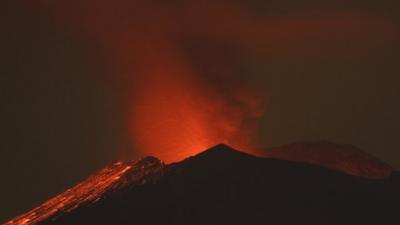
(107, 180)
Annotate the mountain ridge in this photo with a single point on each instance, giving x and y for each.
(341, 157)
(208, 187)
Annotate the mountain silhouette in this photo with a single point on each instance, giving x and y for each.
(223, 186)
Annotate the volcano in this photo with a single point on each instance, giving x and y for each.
(224, 186)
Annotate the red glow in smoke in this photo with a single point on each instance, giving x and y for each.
(172, 111)
(178, 119)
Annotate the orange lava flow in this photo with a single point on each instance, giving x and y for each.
(109, 179)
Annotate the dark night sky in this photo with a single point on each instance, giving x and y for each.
(59, 124)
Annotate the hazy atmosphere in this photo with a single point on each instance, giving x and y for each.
(318, 70)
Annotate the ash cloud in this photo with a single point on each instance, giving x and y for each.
(177, 64)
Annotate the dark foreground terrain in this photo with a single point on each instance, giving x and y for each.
(222, 186)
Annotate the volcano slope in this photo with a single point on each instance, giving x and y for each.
(222, 186)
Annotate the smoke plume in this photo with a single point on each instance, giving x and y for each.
(176, 64)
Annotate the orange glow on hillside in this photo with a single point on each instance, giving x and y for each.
(108, 180)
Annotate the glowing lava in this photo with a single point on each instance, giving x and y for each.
(110, 179)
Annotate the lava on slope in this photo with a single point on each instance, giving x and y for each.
(107, 181)
(222, 186)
